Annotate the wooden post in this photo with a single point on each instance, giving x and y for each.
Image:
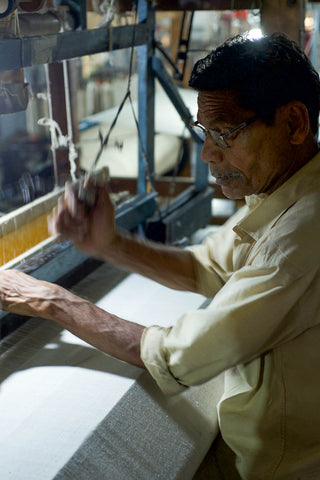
(286, 16)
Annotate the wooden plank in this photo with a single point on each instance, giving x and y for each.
(283, 16)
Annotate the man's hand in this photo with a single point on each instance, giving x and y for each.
(25, 295)
(91, 230)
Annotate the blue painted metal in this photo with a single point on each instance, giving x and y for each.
(200, 168)
(174, 95)
(188, 212)
(131, 213)
(146, 95)
(83, 14)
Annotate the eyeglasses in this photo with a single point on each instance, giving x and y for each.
(218, 138)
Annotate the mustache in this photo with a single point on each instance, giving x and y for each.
(225, 175)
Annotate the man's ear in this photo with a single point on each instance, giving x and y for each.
(298, 122)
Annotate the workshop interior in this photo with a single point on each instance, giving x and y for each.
(91, 86)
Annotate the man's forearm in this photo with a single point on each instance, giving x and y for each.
(95, 233)
(105, 331)
(20, 293)
(170, 266)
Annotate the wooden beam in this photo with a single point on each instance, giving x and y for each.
(283, 16)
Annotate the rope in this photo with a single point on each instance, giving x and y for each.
(104, 142)
(73, 155)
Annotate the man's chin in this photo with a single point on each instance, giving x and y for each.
(233, 193)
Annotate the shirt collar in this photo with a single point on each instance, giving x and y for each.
(264, 212)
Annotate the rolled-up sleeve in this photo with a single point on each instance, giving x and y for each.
(154, 358)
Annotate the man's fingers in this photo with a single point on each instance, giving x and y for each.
(75, 206)
(63, 223)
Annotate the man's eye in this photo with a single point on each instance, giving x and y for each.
(217, 131)
(222, 131)
(235, 134)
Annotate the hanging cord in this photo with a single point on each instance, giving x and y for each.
(105, 8)
(104, 142)
(73, 155)
(57, 138)
(55, 131)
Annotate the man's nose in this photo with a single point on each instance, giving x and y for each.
(211, 152)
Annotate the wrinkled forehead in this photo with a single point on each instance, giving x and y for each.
(220, 106)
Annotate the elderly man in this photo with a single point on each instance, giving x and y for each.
(258, 108)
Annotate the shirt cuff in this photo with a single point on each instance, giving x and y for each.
(153, 356)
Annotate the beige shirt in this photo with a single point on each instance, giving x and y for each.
(262, 328)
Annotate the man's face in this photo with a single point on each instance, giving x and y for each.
(258, 159)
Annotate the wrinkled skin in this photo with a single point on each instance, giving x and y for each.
(261, 157)
(20, 293)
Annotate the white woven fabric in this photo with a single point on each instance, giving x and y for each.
(68, 408)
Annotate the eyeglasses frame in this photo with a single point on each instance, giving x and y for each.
(216, 136)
